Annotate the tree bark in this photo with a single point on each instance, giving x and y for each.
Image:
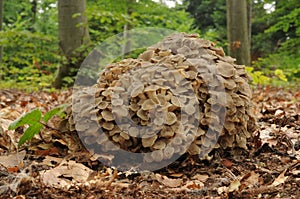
(73, 33)
(238, 31)
(1, 25)
(250, 5)
(127, 27)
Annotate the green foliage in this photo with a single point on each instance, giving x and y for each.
(30, 132)
(34, 120)
(29, 41)
(210, 18)
(267, 77)
(29, 118)
(289, 64)
(280, 75)
(106, 19)
(258, 78)
(56, 111)
(276, 38)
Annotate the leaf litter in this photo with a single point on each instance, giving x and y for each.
(52, 165)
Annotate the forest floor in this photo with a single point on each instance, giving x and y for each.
(44, 167)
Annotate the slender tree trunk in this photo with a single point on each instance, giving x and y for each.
(238, 31)
(250, 5)
(1, 25)
(73, 33)
(127, 44)
(127, 28)
(34, 4)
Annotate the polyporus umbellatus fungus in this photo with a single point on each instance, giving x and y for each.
(182, 89)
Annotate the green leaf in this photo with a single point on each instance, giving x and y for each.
(249, 69)
(76, 15)
(279, 73)
(30, 132)
(55, 111)
(30, 118)
(264, 80)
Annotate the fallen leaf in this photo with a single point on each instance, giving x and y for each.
(200, 177)
(280, 179)
(234, 185)
(222, 189)
(60, 175)
(266, 138)
(51, 151)
(12, 160)
(227, 163)
(279, 113)
(168, 181)
(49, 160)
(297, 94)
(176, 175)
(296, 172)
(251, 179)
(195, 184)
(13, 169)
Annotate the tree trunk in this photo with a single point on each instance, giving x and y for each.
(34, 10)
(127, 27)
(73, 33)
(237, 31)
(1, 25)
(250, 5)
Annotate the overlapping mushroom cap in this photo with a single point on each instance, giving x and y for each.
(181, 94)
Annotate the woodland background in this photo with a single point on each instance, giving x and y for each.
(34, 34)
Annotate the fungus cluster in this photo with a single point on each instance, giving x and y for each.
(180, 95)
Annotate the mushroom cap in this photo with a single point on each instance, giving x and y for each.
(171, 118)
(148, 104)
(149, 141)
(143, 114)
(136, 90)
(107, 115)
(225, 69)
(146, 55)
(108, 125)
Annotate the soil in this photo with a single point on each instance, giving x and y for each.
(48, 167)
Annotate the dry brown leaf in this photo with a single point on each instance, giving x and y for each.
(296, 172)
(227, 163)
(9, 114)
(280, 179)
(222, 189)
(234, 185)
(12, 160)
(176, 175)
(251, 180)
(168, 181)
(265, 136)
(59, 176)
(195, 184)
(279, 113)
(49, 160)
(51, 151)
(200, 177)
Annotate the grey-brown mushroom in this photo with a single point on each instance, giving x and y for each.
(164, 102)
